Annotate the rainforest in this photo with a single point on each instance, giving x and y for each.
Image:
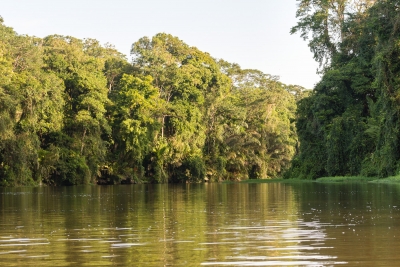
(76, 112)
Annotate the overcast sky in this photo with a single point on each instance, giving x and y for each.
(252, 33)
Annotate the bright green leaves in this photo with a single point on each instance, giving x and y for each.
(137, 116)
(73, 112)
(249, 130)
(31, 107)
(80, 64)
(184, 78)
(252, 128)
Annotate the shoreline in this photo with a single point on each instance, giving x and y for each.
(335, 179)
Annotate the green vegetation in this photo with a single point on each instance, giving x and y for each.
(349, 125)
(346, 179)
(275, 180)
(359, 179)
(388, 180)
(75, 112)
(336, 179)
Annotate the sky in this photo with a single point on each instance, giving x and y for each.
(253, 33)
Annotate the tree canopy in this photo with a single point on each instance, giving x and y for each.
(73, 112)
(350, 123)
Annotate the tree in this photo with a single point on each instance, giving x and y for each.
(135, 124)
(323, 22)
(80, 65)
(259, 137)
(31, 108)
(75, 112)
(184, 78)
(351, 120)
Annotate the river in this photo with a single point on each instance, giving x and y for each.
(273, 224)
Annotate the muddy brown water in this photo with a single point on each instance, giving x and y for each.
(300, 224)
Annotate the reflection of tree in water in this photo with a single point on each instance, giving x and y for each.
(257, 224)
(209, 224)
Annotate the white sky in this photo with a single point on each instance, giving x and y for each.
(252, 33)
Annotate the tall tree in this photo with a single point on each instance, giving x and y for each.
(350, 124)
(31, 108)
(322, 23)
(260, 141)
(184, 77)
(80, 65)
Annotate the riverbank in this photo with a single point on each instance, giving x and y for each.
(360, 179)
(337, 179)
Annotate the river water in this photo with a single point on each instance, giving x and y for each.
(301, 224)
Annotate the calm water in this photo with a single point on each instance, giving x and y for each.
(201, 225)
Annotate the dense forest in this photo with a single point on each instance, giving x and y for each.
(76, 112)
(350, 124)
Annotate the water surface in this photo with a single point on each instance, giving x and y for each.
(305, 224)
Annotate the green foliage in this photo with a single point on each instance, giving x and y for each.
(75, 112)
(324, 22)
(258, 137)
(352, 118)
(184, 78)
(71, 169)
(193, 169)
(346, 179)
